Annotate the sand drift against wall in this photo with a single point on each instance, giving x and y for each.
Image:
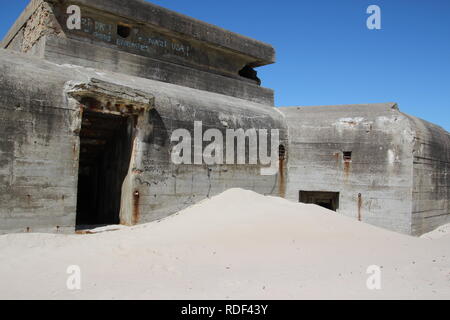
(237, 245)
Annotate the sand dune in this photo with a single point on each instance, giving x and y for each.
(238, 245)
(439, 233)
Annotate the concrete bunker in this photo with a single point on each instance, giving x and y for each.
(389, 167)
(399, 164)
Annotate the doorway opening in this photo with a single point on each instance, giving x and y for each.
(328, 200)
(105, 154)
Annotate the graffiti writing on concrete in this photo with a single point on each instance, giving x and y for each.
(133, 38)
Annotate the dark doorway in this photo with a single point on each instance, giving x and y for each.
(328, 200)
(105, 154)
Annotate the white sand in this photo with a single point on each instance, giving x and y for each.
(239, 245)
(439, 233)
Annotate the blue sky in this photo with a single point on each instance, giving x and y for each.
(326, 55)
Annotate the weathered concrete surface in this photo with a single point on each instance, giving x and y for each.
(397, 176)
(17, 27)
(431, 176)
(158, 44)
(384, 184)
(61, 50)
(39, 147)
(143, 12)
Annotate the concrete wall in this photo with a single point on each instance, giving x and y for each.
(37, 149)
(381, 168)
(431, 189)
(66, 51)
(40, 144)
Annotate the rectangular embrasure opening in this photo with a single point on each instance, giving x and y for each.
(328, 200)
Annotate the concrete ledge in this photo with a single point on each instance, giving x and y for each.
(148, 13)
(68, 51)
(360, 108)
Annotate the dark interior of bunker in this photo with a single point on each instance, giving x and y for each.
(328, 200)
(105, 153)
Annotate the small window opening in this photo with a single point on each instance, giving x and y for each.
(250, 73)
(328, 200)
(282, 152)
(123, 31)
(347, 156)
